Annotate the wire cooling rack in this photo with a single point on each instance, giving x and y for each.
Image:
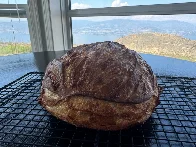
(23, 122)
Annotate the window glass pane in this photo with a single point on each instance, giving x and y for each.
(84, 4)
(155, 37)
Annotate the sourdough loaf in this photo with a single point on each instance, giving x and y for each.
(101, 85)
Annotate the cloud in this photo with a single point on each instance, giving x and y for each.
(117, 3)
(80, 6)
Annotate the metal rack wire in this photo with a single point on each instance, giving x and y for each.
(23, 122)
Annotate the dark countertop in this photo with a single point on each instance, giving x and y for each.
(15, 66)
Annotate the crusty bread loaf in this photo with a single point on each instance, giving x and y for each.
(101, 86)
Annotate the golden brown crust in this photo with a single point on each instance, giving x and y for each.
(99, 114)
